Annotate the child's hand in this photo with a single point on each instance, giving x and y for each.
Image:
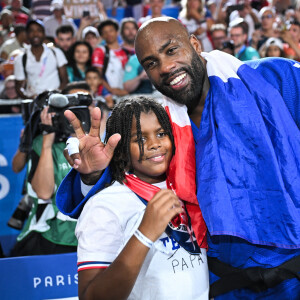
(93, 155)
(161, 209)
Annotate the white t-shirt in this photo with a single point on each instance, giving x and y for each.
(108, 221)
(42, 75)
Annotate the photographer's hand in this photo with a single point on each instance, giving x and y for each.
(93, 156)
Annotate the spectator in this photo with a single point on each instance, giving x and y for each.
(95, 82)
(111, 59)
(16, 7)
(57, 19)
(7, 29)
(268, 17)
(15, 42)
(156, 8)
(238, 33)
(291, 38)
(193, 16)
(9, 92)
(91, 35)
(65, 38)
(7, 67)
(136, 80)
(218, 34)
(272, 48)
(249, 14)
(42, 68)
(129, 28)
(80, 60)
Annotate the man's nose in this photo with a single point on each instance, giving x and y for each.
(167, 65)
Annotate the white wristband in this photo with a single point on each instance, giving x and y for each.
(143, 239)
(73, 145)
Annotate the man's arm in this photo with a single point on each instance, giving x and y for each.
(63, 76)
(43, 182)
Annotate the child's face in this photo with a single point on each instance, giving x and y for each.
(93, 80)
(157, 149)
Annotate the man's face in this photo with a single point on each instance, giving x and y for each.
(64, 41)
(93, 80)
(156, 6)
(58, 13)
(295, 33)
(92, 39)
(267, 20)
(171, 62)
(238, 37)
(129, 32)
(36, 35)
(109, 34)
(10, 90)
(218, 37)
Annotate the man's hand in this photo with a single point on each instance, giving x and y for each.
(46, 119)
(93, 155)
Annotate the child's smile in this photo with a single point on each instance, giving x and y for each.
(157, 149)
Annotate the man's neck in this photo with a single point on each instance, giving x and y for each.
(128, 45)
(114, 45)
(196, 114)
(37, 51)
(238, 49)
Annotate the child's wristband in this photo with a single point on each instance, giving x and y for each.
(143, 239)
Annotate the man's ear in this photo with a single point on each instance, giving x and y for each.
(195, 44)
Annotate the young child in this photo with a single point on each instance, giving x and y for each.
(94, 80)
(129, 247)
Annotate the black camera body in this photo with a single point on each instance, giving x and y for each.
(78, 103)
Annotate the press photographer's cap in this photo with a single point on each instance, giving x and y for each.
(89, 29)
(56, 4)
(37, 21)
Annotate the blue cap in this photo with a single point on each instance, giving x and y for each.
(37, 21)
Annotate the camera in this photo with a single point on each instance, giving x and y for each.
(21, 213)
(78, 103)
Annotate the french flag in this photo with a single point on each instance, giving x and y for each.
(182, 169)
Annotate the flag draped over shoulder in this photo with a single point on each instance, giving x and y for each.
(247, 156)
(182, 169)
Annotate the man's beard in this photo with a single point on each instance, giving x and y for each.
(190, 95)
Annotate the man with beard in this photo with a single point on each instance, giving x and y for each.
(128, 32)
(40, 68)
(245, 126)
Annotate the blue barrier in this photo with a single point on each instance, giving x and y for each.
(10, 183)
(39, 277)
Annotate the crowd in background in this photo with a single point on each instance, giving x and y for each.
(100, 50)
(41, 49)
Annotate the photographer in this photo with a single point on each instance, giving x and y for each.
(46, 231)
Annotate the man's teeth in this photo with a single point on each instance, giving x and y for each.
(177, 79)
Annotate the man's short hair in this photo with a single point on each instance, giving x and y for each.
(82, 85)
(108, 22)
(19, 29)
(128, 20)
(240, 23)
(64, 29)
(218, 27)
(93, 70)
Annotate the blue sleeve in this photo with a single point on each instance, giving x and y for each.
(69, 198)
(284, 75)
(105, 92)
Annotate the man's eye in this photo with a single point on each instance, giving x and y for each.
(150, 64)
(171, 50)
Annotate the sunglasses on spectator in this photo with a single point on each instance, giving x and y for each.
(269, 16)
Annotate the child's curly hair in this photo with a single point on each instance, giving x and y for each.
(120, 122)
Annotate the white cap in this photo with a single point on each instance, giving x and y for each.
(56, 4)
(89, 29)
(274, 42)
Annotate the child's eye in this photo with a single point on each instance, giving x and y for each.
(161, 134)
